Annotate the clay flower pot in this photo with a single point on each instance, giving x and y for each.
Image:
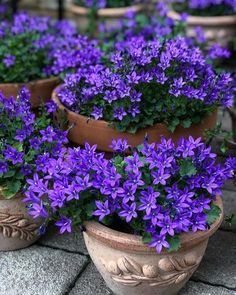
(41, 90)
(110, 15)
(17, 229)
(100, 133)
(218, 29)
(131, 268)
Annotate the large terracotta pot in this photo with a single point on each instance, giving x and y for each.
(17, 229)
(218, 29)
(109, 15)
(41, 90)
(131, 268)
(98, 132)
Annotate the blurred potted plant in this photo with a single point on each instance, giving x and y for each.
(156, 209)
(34, 52)
(216, 17)
(90, 13)
(24, 143)
(144, 88)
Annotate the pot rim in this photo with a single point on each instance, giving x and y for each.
(105, 12)
(214, 21)
(33, 82)
(105, 124)
(129, 242)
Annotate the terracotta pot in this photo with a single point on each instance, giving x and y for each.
(131, 268)
(218, 29)
(41, 90)
(98, 132)
(17, 229)
(109, 15)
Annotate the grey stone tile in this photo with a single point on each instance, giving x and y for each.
(229, 200)
(90, 283)
(195, 288)
(219, 263)
(38, 271)
(71, 242)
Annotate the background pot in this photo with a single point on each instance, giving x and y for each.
(98, 132)
(218, 29)
(17, 229)
(41, 90)
(131, 268)
(109, 15)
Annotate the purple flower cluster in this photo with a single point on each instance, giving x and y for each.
(24, 139)
(98, 4)
(161, 190)
(36, 47)
(144, 82)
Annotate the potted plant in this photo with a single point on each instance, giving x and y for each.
(35, 51)
(90, 14)
(217, 18)
(143, 88)
(156, 209)
(24, 143)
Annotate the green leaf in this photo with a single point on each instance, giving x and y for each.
(9, 174)
(12, 188)
(187, 168)
(146, 237)
(174, 243)
(186, 123)
(213, 214)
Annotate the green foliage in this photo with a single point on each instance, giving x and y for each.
(174, 243)
(109, 3)
(213, 214)
(187, 168)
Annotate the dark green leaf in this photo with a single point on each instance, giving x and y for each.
(213, 214)
(187, 168)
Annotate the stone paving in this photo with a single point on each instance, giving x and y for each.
(60, 265)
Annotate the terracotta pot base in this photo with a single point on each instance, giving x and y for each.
(131, 268)
(99, 133)
(41, 90)
(17, 229)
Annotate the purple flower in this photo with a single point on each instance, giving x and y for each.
(3, 167)
(51, 106)
(120, 145)
(148, 200)
(97, 112)
(9, 60)
(103, 210)
(128, 212)
(38, 210)
(64, 224)
(13, 155)
(119, 113)
(159, 242)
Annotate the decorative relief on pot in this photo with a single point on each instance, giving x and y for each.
(169, 271)
(17, 226)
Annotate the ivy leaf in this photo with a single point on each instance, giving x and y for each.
(187, 168)
(213, 214)
(9, 174)
(174, 243)
(147, 238)
(11, 189)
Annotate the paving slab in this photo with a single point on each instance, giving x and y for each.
(197, 288)
(90, 283)
(219, 263)
(39, 271)
(71, 242)
(229, 200)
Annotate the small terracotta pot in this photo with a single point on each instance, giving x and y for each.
(17, 229)
(41, 90)
(98, 132)
(110, 15)
(218, 29)
(131, 268)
